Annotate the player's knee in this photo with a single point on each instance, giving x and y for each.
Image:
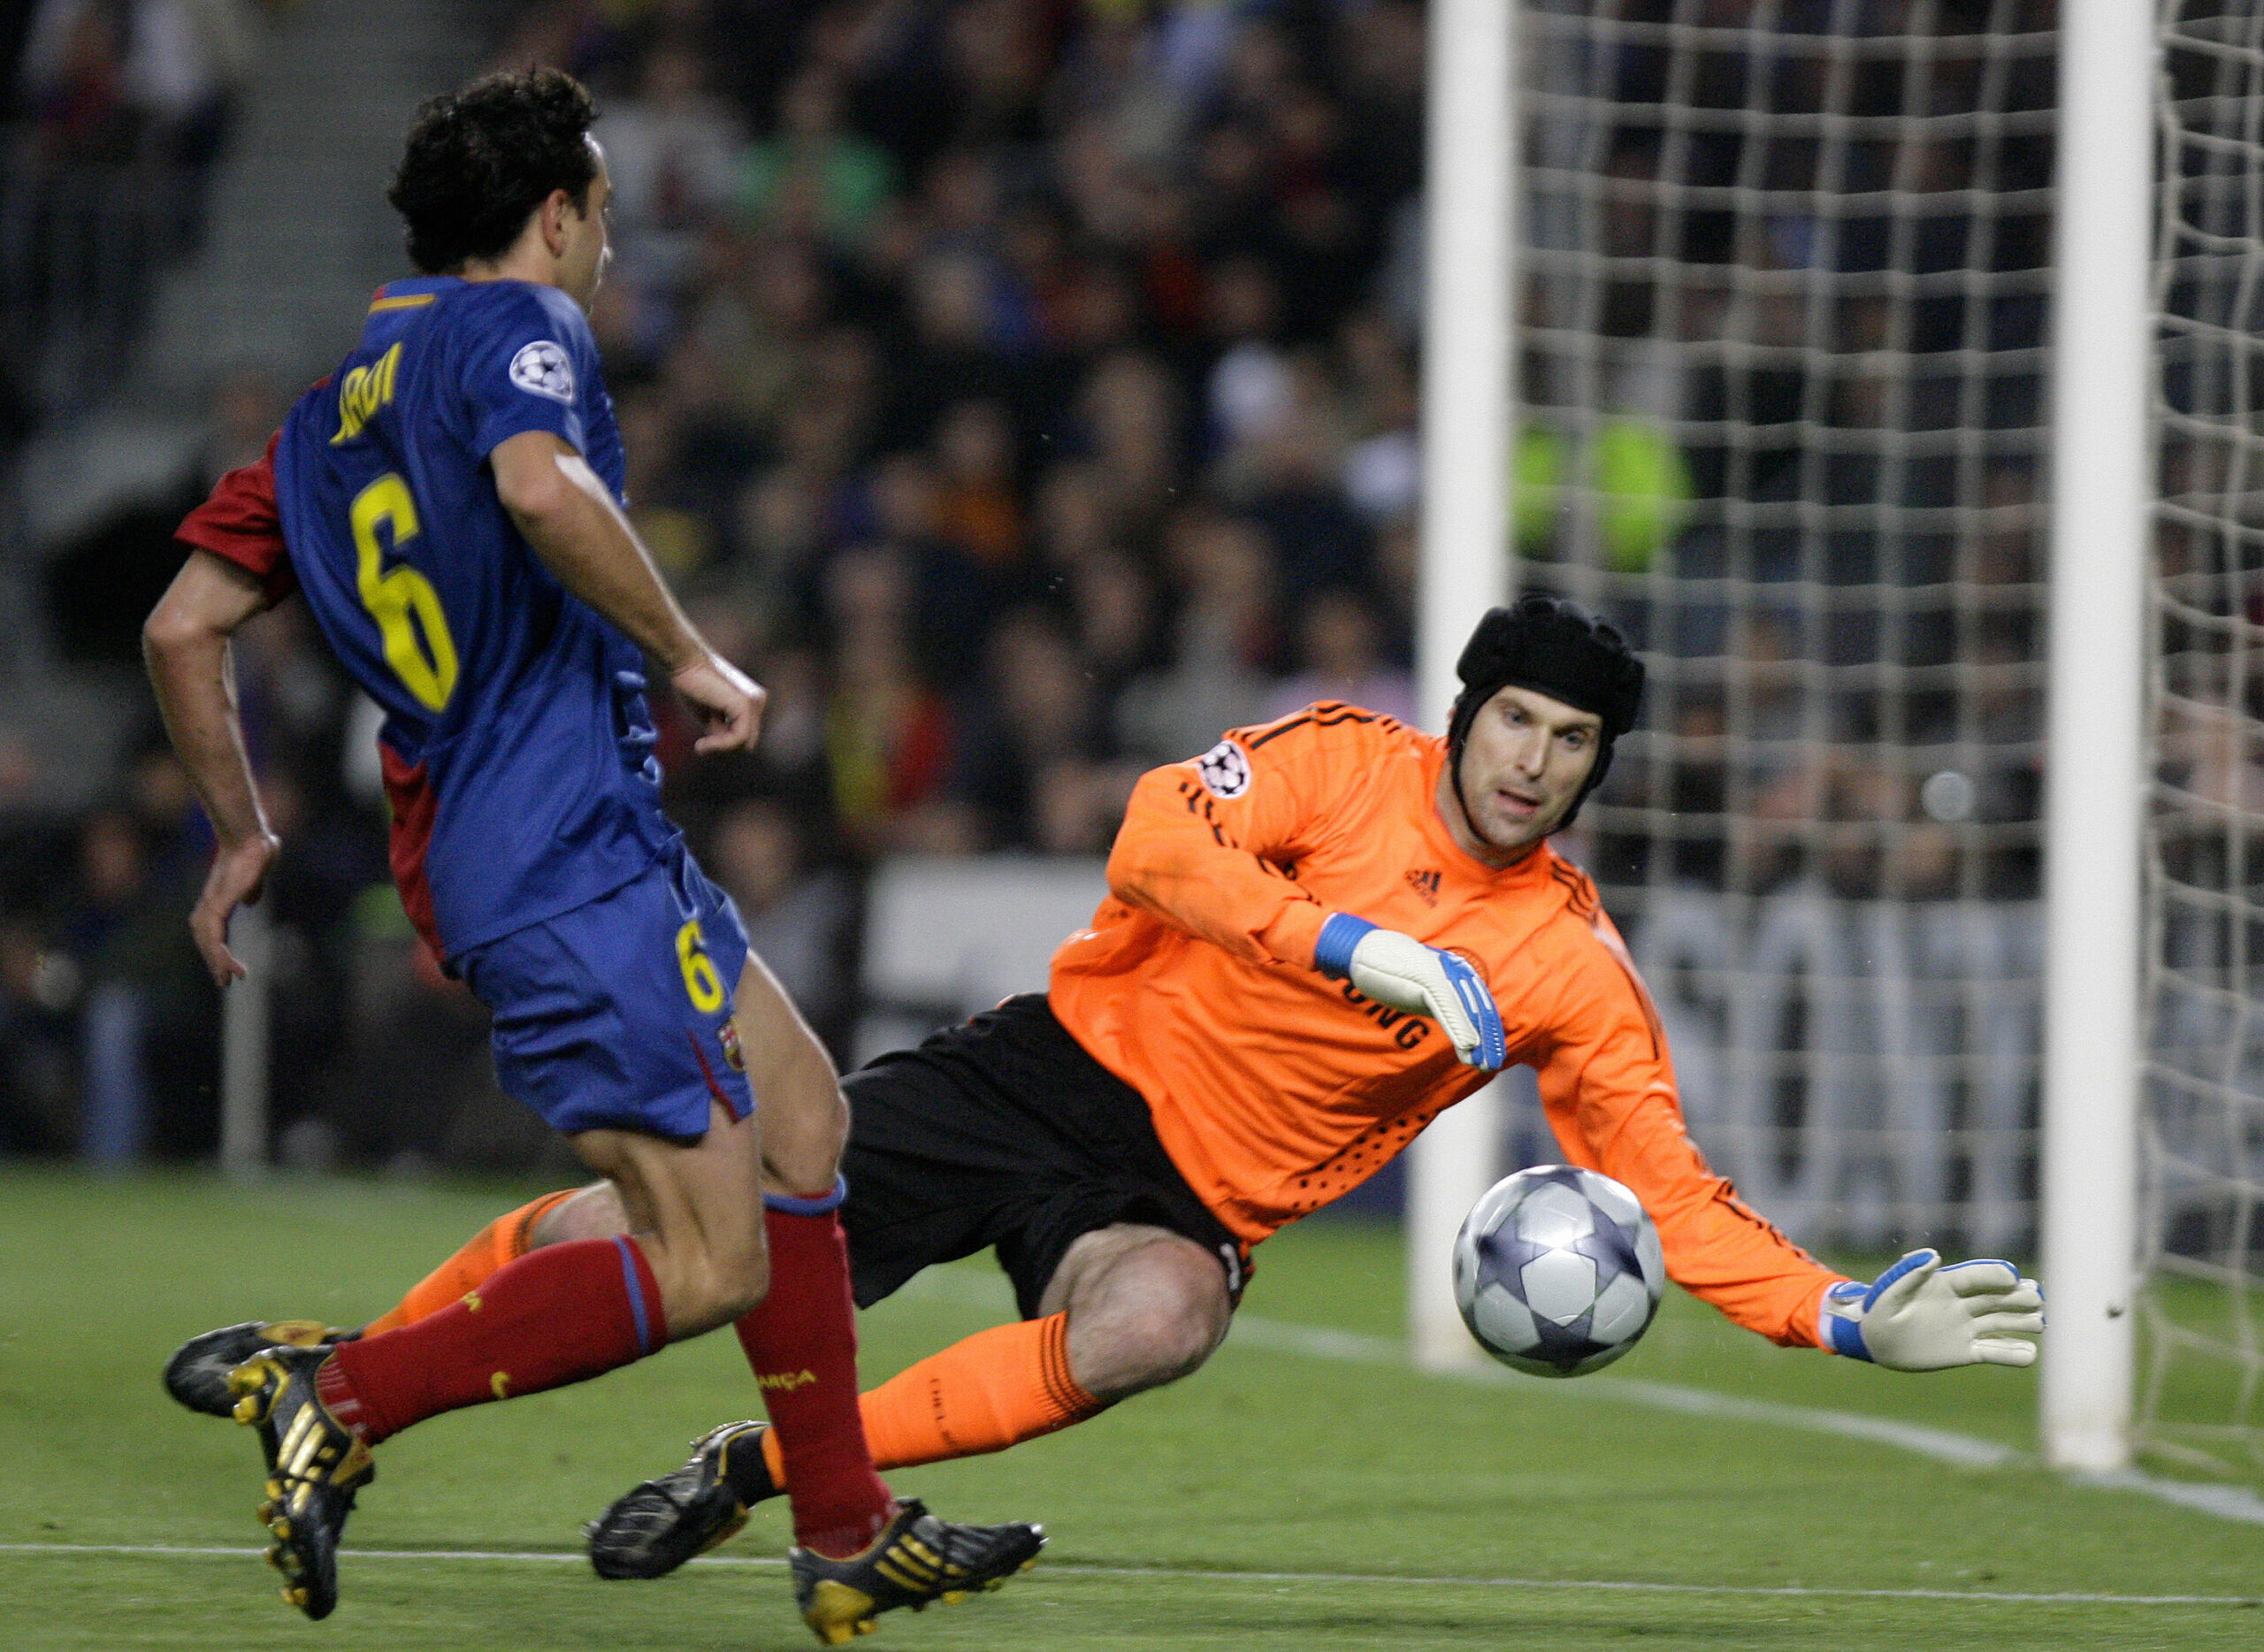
(1184, 1327)
(801, 1147)
(1165, 1311)
(594, 1213)
(711, 1288)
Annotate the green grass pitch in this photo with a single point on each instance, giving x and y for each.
(1276, 1500)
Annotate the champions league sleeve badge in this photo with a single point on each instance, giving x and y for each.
(543, 368)
(1225, 771)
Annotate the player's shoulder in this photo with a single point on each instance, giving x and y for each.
(489, 302)
(1326, 744)
(538, 334)
(517, 313)
(1578, 935)
(1580, 907)
(1332, 727)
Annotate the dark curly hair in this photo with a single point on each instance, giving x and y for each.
(479, 161)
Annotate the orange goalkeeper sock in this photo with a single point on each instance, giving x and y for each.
(985, 1393)
(488, 1253)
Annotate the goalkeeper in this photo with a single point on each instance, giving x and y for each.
(1320, 935)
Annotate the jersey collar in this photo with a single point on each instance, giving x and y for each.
(414, 293)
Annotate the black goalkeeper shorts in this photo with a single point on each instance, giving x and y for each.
(1002, 1131)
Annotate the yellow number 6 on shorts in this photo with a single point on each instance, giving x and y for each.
(701, 984)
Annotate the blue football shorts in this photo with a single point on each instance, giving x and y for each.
(617, 1014)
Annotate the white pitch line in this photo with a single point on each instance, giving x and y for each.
(1203, 1575)
(2224, 1502)
(2227, 1502)
(1942, 1445)
(1938, 1443)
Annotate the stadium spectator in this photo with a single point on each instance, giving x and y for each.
(1227, 636)
(75, 87)
(673, 149)
(814, 177)
(39, 1060)
(1023, 760)
(1339, 654)
(102, 581)
(798, 917)
(888, 733)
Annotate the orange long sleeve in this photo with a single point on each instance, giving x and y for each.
(1213, 854)
(1609, 1093)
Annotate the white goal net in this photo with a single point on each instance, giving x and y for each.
(1783, 295)
(2203, 1113)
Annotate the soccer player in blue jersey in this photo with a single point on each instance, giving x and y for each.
(449, 508)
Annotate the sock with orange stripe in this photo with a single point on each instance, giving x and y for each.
(558, 1315)
(983, 1394)
(486, 1253)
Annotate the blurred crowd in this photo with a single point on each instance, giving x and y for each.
(113, 114)
(1022, 390)
(130, 81)
(1013, 383)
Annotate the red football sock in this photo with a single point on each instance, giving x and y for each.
(984, 1393)
(557, 1315)
(802, 1344)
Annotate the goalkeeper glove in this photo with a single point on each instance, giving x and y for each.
(1399, 970)
(1921, 1316)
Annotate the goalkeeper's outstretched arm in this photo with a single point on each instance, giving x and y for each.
(1609, 1089)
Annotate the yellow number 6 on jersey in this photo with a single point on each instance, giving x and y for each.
(701, 984)
(392, 598)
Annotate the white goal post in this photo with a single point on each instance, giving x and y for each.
(2101, 493)
(1469, 241)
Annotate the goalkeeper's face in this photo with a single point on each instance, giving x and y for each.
(1522, 769)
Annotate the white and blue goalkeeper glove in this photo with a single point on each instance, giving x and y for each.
(1921, 1316)
(1399, 970)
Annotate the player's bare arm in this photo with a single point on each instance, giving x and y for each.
(574, 525)
(185, 644)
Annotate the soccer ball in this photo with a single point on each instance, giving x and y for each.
(1557, 1271)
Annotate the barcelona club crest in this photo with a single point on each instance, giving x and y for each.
(729, 1034)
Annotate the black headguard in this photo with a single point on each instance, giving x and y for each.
(1553, 647)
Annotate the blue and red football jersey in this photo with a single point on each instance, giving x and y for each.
(517, 745)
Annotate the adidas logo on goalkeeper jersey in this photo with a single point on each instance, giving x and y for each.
(1426, 885)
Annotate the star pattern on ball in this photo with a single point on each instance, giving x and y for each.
(1558, 1271)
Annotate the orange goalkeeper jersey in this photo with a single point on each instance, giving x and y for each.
(1275, 1089)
